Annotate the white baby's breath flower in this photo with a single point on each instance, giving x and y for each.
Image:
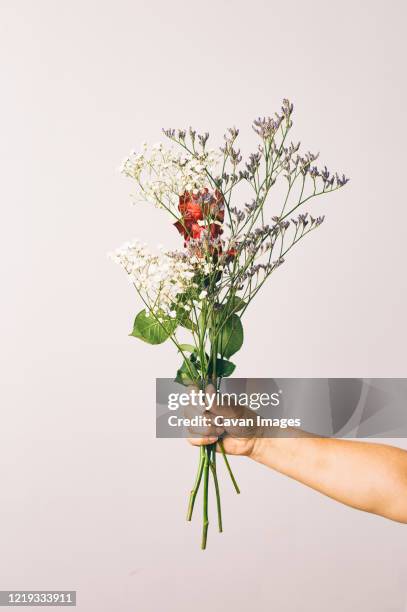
(203, 294)
(165, 174)
(160, 278)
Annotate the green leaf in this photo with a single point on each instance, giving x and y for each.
(184, 320)
(235, 304)
(187, 323)
(185, 373)
(224, 367)
(187, 348)
(230, 336)
(148, 329)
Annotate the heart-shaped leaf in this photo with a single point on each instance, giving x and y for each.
(151, 330)
(230, 336)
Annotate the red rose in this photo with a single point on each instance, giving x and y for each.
(197, 207)
(182, 229)
(215, 230)
(190, 207)
(196, 230)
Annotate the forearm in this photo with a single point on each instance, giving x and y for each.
(367, 476)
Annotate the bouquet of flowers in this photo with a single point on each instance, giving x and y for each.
(229, 250)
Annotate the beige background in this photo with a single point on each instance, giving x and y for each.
(89, 499)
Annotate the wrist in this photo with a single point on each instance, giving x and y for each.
(259, 448)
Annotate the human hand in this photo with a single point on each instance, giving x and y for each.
(222, 426)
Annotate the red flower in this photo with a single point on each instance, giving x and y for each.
(196, 207)
(182, 229)
(215, 207)
(196, 230)
(190, 207)
(215, 230)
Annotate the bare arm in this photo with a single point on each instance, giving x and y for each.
(367, 476)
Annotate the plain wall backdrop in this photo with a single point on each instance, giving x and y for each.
(90, 500)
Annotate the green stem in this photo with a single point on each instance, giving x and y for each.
(216, 483)
(205, 497)
(222, 448)
(197, 483)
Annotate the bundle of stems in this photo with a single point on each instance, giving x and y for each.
(206, 464)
